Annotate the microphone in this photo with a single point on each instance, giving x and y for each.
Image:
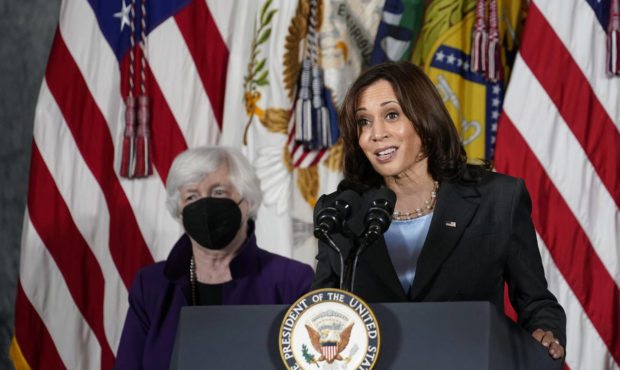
(377, 220)
(333, 217)
(379, 214)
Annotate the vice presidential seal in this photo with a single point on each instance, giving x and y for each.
(329, 329)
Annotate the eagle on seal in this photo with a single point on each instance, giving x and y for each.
(321, 341)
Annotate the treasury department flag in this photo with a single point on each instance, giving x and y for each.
(559, 131)
(87, 229)
(444, 51)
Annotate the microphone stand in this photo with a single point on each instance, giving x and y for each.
(332, 218)
(324, 236)
(351, 265)
(361, 244)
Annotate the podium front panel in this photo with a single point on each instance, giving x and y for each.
(425, 336)
(455, 335)
(228, 337)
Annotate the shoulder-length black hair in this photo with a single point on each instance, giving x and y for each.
(422, 104)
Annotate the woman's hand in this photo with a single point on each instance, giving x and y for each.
(547, 339)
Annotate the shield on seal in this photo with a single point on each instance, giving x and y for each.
(329, 349)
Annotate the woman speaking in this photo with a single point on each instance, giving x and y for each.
(459, 232)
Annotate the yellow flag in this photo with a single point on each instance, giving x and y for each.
(443, 50)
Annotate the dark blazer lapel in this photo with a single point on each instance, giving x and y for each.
(380, 264)
(455, 207)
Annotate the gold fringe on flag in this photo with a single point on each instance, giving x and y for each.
(275, 120)
(334, 158)
(308, 184)
(16, 355)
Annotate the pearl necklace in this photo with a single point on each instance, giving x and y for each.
(192, 279)
(429, 204)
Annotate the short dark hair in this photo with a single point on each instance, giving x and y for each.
(423, 106)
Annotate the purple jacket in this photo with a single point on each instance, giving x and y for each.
(161, 289)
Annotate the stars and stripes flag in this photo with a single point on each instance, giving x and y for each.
(559, 131)
(86, 229)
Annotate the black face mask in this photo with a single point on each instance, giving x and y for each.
(212, 222)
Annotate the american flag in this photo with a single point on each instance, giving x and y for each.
(86, 229)
(559, 131)
(303, 157)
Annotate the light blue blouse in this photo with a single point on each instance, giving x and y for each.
(404, 241)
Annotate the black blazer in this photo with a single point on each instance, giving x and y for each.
(481, 235)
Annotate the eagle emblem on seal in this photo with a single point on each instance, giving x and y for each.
(331, 338)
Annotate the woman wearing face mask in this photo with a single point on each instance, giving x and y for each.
(459, 232)
(215, 193)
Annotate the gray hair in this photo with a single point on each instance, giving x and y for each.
(193, 164)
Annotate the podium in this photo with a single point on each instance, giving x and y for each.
(425, 336)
